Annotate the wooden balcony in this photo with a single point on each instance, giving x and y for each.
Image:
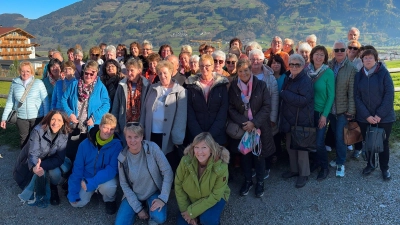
(15, 38)
(15, 53)
(15, 45)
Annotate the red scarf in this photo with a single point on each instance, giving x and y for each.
(133, 104)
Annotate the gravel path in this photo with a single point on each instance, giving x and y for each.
(353, 199)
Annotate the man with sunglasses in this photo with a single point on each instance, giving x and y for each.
(343, 108)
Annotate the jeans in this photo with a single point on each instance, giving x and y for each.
(383, 156)
(338, 122)
(107, 189)
(211, 216)
(259, 165)
(322, 154)
(126, 215)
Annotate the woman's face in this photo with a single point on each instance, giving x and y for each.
(71, 56)
(166, 51)
(135, 51)
(248, 49)
(94, 56)
(120, 52)
(318, 58)
(56, 122)
(90, 75)
(134, 141)
(111, 69)
(244, 73)
(231, 64)
(69, 72)
(369, 61)
(352, 50)
(219, 64)
(305, 54)
(133, 73)
(78, 58)
(146, 50)
(295, 67)
(276, 66)
(106, 131)
(26, 72)
(235, 43)
(202, 152)
(165, 76)
(55, 70)
(206, 67)
(152, 66)
(184, 60)
(194, 65)
(256, 61)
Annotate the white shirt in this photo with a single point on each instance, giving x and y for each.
(159, 111)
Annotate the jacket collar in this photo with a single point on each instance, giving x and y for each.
(218, 80)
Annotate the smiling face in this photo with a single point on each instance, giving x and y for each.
(305, 54)
(231, 64)
(219, 64)
(184, 60)
(146, 50)
(71, 56)
(295, 67)
(166, 51)
(90, 75)
(194, 65)
(244, 73)
(133, 73)
(276, 45)
(135, 50)
(353, 35)
(256, 62)
(69, 72)
(339, 52)
(318, 58)
(152, 66)
(202, 152)
(56, 123)
(352, 50)
(276, 66)
(134, 141)
(206, 67)
(165, 76)
(111, 69)
(106, 131)
(26, 73)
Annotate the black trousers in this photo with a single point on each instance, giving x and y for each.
(25, 127)
(172, 157)
(383, 156)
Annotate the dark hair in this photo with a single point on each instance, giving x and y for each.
(123, 48)
(234, 40)
(69, 64)
(102, 44)
(65, 129)
(54, 61)
(319, 48)
(277, 59)
(370, 51)
(70, 50)
(165, 46)
(115, 63)
(202, 47)
(133, 44)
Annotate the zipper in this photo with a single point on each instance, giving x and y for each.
(95, 162)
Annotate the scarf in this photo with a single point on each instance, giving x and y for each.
(52, 80)
(102, 142)
(133, 101)
(148, 74)
(84, 90)
(246, 95)
(314, 74)
(372, 70)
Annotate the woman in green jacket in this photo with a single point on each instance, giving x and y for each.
(201, 182)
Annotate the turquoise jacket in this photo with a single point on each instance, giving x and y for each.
(58, 91)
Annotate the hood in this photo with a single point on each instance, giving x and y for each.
(218, 80)
(224, 154)
(379, 67)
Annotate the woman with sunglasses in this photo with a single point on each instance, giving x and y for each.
(207, 102)
(219, 63)
(94, 54)
(112, 75)
(231, 61)
(353, 52)
(85, 101)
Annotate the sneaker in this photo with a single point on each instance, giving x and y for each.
(266, 174)
(301, 181)
(350, 147)
(328, 148)
(340, 171)
(259, 189)
(333, 163)
(111, 207)
(356, 154)
(244, 190)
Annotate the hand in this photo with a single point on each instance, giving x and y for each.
(273, 124)
(83, 185)
(377, 119)
(371, 120)
(193, 222)
(143, 215)
(322, 122)
(3, 124)
(90, 122)
(248, 126)
(37, 169)
(73, 118)
(349, 116)
(186, 217)
(74, 202)
(157, 204)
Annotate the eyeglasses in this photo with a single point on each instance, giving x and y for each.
(97, 55)
(205, 66)
(230, 62)
(110, 66)
(255, 60)
(146, 49)
(339, 49)
(218, 61)
(89, 74)
(294, 65)
(352, 48)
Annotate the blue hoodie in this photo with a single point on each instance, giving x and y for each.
(58, 91)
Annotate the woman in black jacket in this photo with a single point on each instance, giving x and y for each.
(250, 107)
(374, 96)
(112, 75)
(207, 102)
(297, 97)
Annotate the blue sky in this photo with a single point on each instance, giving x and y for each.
(33, 9)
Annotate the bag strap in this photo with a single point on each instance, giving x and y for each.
(26, 92)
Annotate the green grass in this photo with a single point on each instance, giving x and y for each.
(10, 135)
(393, 64)
(4, 87)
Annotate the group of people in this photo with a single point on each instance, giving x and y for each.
(149, 121)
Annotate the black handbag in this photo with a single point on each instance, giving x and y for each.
(303, 138)
(373, 143)
(234, 130)
(12, 117)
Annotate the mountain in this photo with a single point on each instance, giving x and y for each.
(176, 22)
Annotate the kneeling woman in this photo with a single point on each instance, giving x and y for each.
(201, 182)
(145, 177)
(44, 155)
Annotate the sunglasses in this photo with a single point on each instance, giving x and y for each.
(339, 49)
(230, 62)
(130, 124)
(294, 65)
(218, 61)
(97, 55)
(352, 48)
(89, 74)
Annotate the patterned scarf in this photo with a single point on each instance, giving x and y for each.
(314, 74)
(246, 94)
(133, 101)
(84, 90)
(147, 75)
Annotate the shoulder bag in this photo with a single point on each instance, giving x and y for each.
(234, 130)
(352, 133)
(303, 138)
(373, 143)
(12, 117)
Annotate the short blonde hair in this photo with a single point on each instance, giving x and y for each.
(135, 129)
(165, 63)
(137, 63)
(208, 139)
(109, 119)
(26, 63)
(187, 49)
(207, 57)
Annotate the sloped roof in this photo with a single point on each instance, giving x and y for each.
(6, 30)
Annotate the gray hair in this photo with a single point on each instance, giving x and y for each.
(111, 48)
(146, 42)
(288, 40)
(138, 130)
(232, 56)
(254, 45)
(298, 58)
(304, 46)
(339, 42)
(276, 37)
(311, 37)
(219, 53)
(256, 52)
(77, 52)
(356, 29)
(194, 58)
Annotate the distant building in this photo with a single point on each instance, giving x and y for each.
(15, 43)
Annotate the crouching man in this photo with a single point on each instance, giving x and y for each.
(96, 166)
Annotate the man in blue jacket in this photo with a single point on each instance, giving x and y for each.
(96, 165)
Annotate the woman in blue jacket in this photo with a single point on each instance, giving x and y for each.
(374, 96)
(85, 101)
(36, 103)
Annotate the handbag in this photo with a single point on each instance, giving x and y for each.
(373, 143)
(251, 142)
(12, 117)
(303, 138)
(352, 133)
(234, 130)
